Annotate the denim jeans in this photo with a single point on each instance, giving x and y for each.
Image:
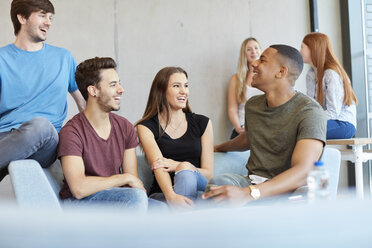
(340, 129)
(35, 139)
(187, 183)
(121, 197)
(229, 179)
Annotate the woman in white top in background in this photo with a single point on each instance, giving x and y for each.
(328, 83)
(240, 89)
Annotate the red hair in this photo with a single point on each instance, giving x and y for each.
(323, 58)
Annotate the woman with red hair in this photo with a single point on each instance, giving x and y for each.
(328, 83)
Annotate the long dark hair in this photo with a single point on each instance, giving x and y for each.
(157, 101)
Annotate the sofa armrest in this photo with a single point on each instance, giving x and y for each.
(31, 186)
(145, 172)
(332, 161)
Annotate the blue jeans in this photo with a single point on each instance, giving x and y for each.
(187, 183)
(122, 197)
(340, 129)
(35, 139)
(229, 179)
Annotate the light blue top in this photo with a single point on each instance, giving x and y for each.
(333, 92)
(35, 84)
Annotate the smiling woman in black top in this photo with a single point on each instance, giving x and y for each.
(178, 143)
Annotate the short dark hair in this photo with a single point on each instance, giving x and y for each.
(25, 8)
(88, 73)
(293, 60)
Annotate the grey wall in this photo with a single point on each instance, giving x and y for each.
(203, 37)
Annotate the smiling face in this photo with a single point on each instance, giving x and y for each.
(109, 90)
(178, 91)
(265, 68)
(36, 26)
(252, 51)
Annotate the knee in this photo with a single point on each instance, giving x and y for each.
(139, 196)
(185, 175)
(185, 183)
(185, 166)
(42, 127)
(223, 179)
(42, 124)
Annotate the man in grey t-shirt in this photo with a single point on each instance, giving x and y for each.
(285, 131)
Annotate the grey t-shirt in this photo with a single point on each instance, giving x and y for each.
(273, 132)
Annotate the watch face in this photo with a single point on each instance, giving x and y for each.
(255, 193)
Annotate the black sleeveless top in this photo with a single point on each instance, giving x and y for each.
(185, 148)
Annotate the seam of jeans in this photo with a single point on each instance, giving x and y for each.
(184, 170)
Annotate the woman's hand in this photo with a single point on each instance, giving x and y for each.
(179, 202)
(250, 75)
(168, 165)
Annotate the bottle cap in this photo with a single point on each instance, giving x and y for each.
(318, 163)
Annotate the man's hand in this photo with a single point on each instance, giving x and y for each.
(240, 129)
(229, 195)
(217, 148)
(134, 182)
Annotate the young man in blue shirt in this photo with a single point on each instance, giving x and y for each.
(34, 80)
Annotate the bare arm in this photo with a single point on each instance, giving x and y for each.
(79, 100)
(153, 155)
(233, 104)
(129, 166)
(306, 152)
(82, 186)
(239, 143)
(207, 155)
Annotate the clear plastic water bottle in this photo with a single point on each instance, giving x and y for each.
(318, 182)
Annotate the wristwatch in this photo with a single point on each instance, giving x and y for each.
(255, 192)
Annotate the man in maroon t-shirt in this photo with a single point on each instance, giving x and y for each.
(97, 148)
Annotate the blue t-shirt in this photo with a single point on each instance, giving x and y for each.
(35, 84)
